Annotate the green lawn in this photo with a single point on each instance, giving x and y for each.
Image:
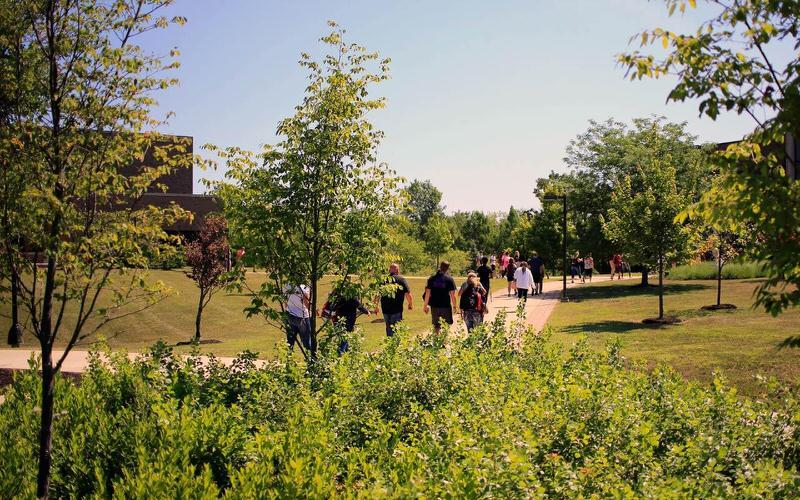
(172, 320)
(740, 344)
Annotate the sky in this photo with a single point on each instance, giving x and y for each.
(483, 99)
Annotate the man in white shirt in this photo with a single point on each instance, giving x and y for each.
(298, 320)
(524, 280)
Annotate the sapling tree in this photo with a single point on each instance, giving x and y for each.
(437, 237)
(318, 202)
(736, 61)
(90, 89)
(208, 257)
(641, 219)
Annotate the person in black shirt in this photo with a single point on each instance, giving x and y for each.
(392, 302)
(346, 311)
(440, 297)
(537, 270)
(484, 273)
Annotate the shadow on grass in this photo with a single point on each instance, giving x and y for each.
(792, 342)
(626, 290)
(608, 326)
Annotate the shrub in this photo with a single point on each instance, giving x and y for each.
(497, 412)
(708, 271)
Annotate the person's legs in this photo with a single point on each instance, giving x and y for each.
(441, 313)
(293, 329)
(472, 319)
(305, 332)
(391, 320)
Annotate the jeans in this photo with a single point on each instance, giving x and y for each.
(472, 319)
(391, 320)
(522, 293)
(575, 270)
(298, 326)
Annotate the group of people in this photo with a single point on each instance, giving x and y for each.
(442, 298)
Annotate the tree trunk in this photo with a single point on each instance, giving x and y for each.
(313, 315)
(661, 287)
(199, 316)
(15, 332)
(719, 278)
(645, 278)
(46, 425)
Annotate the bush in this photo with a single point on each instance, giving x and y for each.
(708, 271)
(499, 412)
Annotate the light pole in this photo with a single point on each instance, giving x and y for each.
(563, 198)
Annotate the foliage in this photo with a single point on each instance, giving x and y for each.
(317, 203)
(423, 202)
(437, 237)
(729, 64)
(642, 217)
(498, 412)
(708, 271)
(80, 115)
(209, 259)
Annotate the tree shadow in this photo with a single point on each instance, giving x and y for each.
(791, 342)
(626, 290)
(608, 326)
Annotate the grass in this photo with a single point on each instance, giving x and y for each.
(740, 344)
(708, 271)
(172, 320)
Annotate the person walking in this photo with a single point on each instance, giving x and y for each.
(347, 309)
(617, 266)
(298, 316)
(485, 273)
(510, 269)
(493, 264)
(576, 267)
(392, 302)
(440, 297)
(472, 302)
(537, 270)
(524, 280)
(503, 263)
(612, 266)
(588, 267)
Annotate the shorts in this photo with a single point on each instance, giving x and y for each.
(538, 278)
(588, 272)
(445, 313)
(510, 277)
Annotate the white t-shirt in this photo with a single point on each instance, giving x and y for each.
(588, 263)
(294, 301)
(524, 277)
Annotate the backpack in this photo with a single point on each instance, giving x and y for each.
(471, 300)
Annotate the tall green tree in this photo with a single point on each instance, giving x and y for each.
(424, 200)
(641, 219)
(90, 88)
(729, 64)
(318, 202)
(438, 238)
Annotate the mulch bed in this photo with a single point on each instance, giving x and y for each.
(721, 307)
(666, 320)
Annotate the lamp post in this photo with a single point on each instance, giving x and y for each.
(563, 198)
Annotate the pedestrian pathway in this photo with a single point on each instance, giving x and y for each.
(538, 307)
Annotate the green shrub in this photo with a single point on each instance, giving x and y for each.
(708, 271)
(498, 412)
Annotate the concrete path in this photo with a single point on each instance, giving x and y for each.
(538, 307)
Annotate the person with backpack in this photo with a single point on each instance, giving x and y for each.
(536, 265)
(440, 297)
(472, 302)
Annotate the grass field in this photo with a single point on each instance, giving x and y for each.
(172, 320)
(739, 344)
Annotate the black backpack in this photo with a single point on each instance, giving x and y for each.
(471, 300)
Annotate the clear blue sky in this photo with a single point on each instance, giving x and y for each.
(484, 96)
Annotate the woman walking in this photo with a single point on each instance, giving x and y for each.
(510, 268)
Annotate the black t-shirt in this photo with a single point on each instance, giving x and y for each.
(349, 309)
(393, 304)
(536, 265)
(440, 285)
(485, 275)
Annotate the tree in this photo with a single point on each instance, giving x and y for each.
(729, 64)
(728, 244)
(318, 202)
(208, 256)
(81, 112)
(437, 237)
(642, 217)
(424, 202)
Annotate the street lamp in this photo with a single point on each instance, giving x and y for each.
(563, 198)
